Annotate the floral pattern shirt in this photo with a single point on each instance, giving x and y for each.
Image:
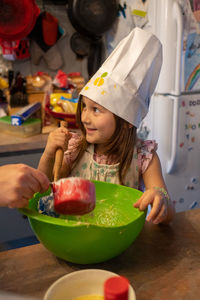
(100, 167)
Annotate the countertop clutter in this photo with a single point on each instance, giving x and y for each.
(36, 103)
(55, 104)
(163, 263)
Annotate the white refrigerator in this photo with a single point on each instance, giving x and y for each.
(174, 116)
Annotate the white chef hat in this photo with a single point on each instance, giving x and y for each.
(128, 77)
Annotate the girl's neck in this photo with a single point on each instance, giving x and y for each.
(99, 149)
(108, 159)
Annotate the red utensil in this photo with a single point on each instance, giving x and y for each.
(18, 19)
(73, 195)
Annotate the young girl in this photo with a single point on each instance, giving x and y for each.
(110, 108)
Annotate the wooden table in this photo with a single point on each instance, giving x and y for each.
(163, 263)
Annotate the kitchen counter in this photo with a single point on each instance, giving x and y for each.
(11, 143)
(163, 263)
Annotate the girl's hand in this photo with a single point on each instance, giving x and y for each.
(159, 205)
(57, 139)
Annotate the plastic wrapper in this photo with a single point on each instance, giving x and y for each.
(53, 115)
(63, 102)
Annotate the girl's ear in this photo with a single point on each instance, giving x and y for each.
(130, 125)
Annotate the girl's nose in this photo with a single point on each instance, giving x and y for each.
(85, 116)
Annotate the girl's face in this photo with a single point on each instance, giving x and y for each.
(99, 123)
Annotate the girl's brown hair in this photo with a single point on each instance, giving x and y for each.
(121, 144)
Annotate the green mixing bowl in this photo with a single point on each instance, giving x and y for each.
(96, 237)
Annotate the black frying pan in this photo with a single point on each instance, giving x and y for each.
(80, 44)
(91, 18)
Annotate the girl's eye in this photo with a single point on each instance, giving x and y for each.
(83, 105)
(96, 109)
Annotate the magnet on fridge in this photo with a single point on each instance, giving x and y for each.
(122, 10)
(194, 180)
(193, 205)
(139, 12)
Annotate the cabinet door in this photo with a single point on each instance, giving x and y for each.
(15, 228)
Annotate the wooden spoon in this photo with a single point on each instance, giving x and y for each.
(59, 157)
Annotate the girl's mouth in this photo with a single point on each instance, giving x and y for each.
(90, 130)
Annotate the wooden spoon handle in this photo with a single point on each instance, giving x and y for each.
(59, 157)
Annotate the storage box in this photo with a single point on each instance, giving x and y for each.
(30, 127)
(35, 97)
(25, 113)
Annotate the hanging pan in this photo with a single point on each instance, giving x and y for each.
(80, 44)
(17, 19)
(91, 19)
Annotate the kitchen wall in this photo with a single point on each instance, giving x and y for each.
(71, 63)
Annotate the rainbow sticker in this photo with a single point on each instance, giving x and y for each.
(194, 76)
(192, 62)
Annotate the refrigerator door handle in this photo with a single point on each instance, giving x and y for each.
(177, 14)
(170, 167)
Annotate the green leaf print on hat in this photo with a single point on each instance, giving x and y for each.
(99, 80)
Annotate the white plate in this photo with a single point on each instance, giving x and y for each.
(80, 283)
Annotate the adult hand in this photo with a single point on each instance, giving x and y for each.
(18, 183)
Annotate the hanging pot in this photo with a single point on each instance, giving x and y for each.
(18, 19)
(95, 56)
(92, 47)
(91, 18)
(80, 44)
